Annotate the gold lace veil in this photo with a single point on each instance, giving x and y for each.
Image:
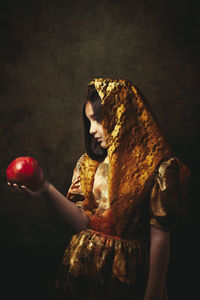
(135, 148)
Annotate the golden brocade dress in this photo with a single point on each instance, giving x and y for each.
(98, 263)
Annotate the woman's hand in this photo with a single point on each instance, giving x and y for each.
(43, 187)
(71, 213)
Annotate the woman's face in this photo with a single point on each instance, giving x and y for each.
(96, 128)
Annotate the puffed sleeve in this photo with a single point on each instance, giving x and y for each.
(75, 193)
(168, 199)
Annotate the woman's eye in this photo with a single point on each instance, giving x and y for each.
(97, 119)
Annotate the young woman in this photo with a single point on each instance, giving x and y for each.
(127, 193)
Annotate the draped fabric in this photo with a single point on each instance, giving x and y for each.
(98, 266)
(140, 183)
(136, 146)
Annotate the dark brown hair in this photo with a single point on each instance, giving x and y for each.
(93, 148)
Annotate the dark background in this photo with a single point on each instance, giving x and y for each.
(49, 51)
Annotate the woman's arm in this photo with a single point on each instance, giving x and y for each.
(159, 260)
(72, 214)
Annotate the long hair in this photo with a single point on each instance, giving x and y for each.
(93, 148)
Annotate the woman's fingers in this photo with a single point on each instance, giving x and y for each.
(30, 192)
(11, 186)
(15, 187)
(23, 189)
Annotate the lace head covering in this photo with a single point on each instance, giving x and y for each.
(135, 147)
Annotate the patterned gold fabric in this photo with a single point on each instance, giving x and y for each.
(135, 147)
(140, 183)
(103, 267)
(168, 198)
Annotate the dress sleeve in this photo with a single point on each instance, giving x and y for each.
(168, 199)
(75, 193)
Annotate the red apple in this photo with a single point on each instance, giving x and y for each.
(26, 171)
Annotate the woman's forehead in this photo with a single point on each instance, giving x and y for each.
(89, 109)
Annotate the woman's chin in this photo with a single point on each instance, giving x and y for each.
(103, 145)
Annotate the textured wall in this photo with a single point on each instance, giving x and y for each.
(49, 51)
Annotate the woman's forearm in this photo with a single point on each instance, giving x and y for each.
(159, 260)
(72, 214)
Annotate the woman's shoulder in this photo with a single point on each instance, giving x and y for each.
(172, 169)
(168, 164)
(80, 161)
(85, 162)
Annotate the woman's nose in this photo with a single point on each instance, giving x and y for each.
(92, 128)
